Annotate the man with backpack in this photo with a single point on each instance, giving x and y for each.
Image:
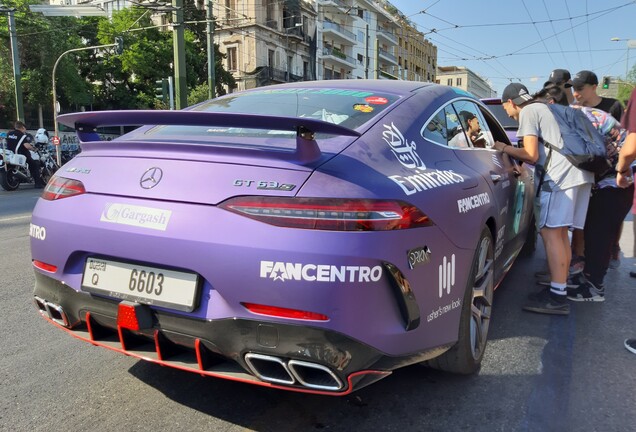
(562, 196)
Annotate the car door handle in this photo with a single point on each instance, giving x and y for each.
(495, 178)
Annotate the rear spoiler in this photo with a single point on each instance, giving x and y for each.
(86, 124)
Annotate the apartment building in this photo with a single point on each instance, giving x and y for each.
(464, 78)
(356, 40)
(267, 41)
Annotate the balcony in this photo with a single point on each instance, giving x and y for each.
(387, 56)
(386, 36)
(338, 33)
(338, 3)
(337, 57)
(273, 24)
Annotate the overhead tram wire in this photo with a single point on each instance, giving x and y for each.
(554, 30)
(576, 44)
(538, 32)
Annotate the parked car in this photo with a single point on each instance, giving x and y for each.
(311, 237)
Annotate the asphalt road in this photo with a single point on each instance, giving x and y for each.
(540, 373)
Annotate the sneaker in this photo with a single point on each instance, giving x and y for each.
(547, 303)
(630, 344)
(586, 291)
(577, 265)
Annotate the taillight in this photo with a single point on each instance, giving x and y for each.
(284, 312)
(335, 214)
(44, 266)
(61, 187)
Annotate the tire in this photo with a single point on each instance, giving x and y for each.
(466, 355)
(8, 181)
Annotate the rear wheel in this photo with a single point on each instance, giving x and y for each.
(8, 181)
(465, 357)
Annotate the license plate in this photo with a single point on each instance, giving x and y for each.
(141, 284)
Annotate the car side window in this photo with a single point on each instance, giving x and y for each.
(435, 130)
(472, 121)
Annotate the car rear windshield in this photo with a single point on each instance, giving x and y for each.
(348, 108)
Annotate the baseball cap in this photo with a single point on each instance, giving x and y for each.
(584, 77)
(516, 92)
(560, 76)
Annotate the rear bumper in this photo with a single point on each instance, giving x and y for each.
(279, 355)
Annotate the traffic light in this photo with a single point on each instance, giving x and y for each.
(119, 48)
(161, 90)
(606, 82)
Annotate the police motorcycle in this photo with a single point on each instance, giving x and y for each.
(14, 169)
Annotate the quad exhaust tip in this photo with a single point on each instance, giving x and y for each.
(52, 311)
(307, 374)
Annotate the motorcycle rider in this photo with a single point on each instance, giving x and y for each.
(18, 141)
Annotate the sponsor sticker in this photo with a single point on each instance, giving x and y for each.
(37, 232)
(138, 216)
(363, 108)
(376, 100)
(282, 271)
(467, 204)
(418, 256)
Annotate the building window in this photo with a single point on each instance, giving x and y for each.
(459, 81)
(449, 81)
(232, 61)
(360, 59)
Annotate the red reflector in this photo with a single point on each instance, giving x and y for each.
(284, 312)
(44, 266)
(335, 214)
(127, 316)
(61, 187)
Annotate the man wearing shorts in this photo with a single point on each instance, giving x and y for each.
(563, 194)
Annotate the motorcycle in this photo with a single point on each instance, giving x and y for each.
(14, 169)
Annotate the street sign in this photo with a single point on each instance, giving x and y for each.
(55, 140)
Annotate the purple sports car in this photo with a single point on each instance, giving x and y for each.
(311, 237)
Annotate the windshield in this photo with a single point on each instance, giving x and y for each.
(348, 108)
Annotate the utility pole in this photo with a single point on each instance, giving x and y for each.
(211, 61)
(17, 77)
(181, 89)
(366, 54)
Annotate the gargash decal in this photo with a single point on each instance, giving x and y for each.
(37, 232)
(144, 217)
(464, 205)
(403, 150)
(282, 271)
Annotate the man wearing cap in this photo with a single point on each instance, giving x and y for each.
(563, 79)
(585, 84)
(563, 196)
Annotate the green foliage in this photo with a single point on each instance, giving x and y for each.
(98, 78)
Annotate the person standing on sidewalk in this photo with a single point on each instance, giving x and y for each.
(563, 193)
(624, 175)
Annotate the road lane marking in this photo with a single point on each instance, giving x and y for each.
(15, 218)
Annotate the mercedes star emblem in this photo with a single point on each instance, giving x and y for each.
(151, 178)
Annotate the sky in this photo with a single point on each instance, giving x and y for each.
(507, 41)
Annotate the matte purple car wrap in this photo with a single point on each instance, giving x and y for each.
(311, 236)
